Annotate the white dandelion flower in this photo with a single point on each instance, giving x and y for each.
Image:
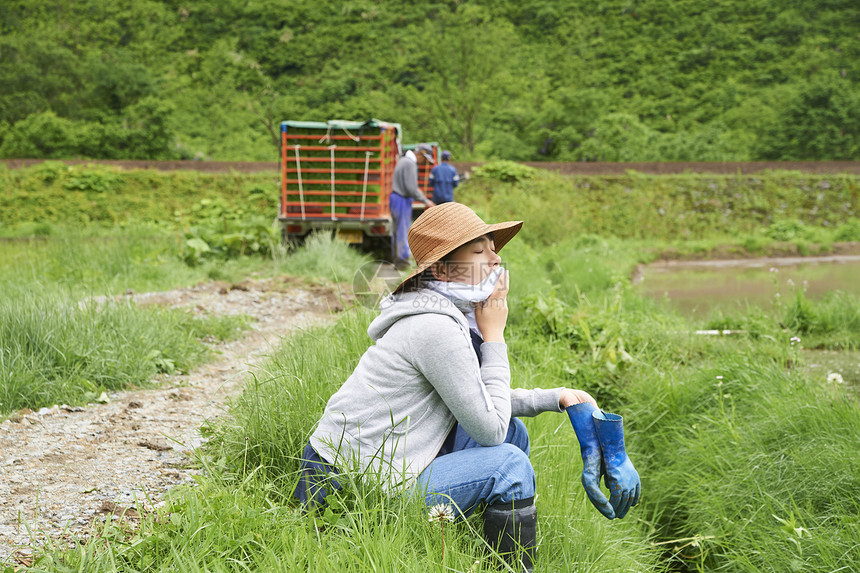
(835, 378)
(441, 513)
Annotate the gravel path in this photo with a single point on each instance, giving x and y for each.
(61, 468)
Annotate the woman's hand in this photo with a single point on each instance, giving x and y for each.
(492, 314)
(569, 397)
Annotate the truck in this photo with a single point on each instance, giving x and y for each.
(336, 176)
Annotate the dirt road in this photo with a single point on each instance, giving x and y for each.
(62, 468)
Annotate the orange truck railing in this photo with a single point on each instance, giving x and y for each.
(337, 175)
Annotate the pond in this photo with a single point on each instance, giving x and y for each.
(698, 287)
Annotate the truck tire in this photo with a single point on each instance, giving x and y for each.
(291, 240)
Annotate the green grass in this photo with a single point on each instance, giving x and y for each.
(748, 463)
(689, 213)
(321, 256)
(237, 528)
(56, 347)
(143, 259)
(753, 457)
(830, 323)
(242, 517)
(753, 471)
(80, 263)
(56, 350)
(749, 211)
(52, 195)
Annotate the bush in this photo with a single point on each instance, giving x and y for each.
(821, 121)
(507, 171)
(849, 231)
(224, 232)
(142, 132)
(785, 230)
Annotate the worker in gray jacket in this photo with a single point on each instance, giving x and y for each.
(404, 190)
(429, 409)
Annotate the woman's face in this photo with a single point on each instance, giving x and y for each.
(470, 263)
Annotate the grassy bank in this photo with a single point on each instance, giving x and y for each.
(57, 346)
(243, 518)
(747, 461)
(143, 259)
(40, 198)
(751, 463)
(733, 437)
(691, 212)
(56, 350)
(674, 209)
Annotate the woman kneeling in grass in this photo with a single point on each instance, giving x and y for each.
(430, 405)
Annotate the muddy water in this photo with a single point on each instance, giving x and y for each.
(698, 287)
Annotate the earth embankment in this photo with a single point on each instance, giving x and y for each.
(565, 168)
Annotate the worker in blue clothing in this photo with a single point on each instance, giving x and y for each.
(404, 191)
(443, 179)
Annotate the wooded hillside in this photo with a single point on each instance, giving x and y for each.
(612, 80)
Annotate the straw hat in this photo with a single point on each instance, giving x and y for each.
(443, 228)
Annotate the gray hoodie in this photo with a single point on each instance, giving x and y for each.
(393, 413)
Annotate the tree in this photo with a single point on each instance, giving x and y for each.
(822, 121)
(470, 64)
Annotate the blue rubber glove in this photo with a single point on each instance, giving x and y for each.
(621, 478)
(581, 417)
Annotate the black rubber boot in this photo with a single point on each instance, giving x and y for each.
(511, 529)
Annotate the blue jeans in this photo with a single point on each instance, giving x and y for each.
(401, 213)
(473, 474)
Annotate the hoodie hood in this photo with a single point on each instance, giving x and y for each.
(400, 305)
